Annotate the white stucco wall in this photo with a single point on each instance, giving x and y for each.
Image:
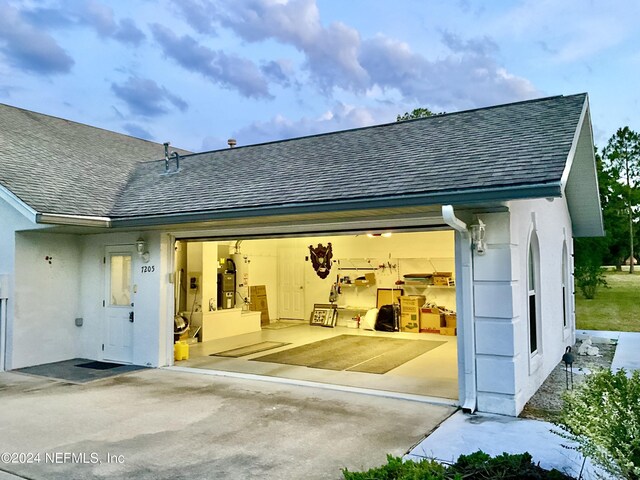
(11, 220)
(507, 376)
(47, 294)
(553, 227)
(149, 328)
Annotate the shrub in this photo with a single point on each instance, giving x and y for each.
(477, 466)
(602, 416)
(397, 469)
(589, 277)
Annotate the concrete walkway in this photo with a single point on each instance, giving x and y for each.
(462, 434)
(495, 434)
(157, 424)
(627, 354)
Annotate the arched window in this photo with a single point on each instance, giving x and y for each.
(533, 279)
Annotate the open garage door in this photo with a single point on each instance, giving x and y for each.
(334, 339)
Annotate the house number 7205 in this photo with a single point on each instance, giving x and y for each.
(148, 268)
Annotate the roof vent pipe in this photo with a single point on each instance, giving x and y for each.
(166, 157)
(176, 155)
(231, 142)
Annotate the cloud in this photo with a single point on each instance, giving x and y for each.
(278, 71)
(87, 13)
(101, 18)
(145, 97)
(477, 46)
(229, 71)
(466, 79)
(200, 14)
(128, 32)
(137, 131)
(339, 117)
(331, 52)
(337, 57)
(29, 48)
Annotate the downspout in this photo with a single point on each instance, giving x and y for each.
(4, 299)
(464, 305)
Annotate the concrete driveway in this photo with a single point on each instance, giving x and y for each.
(162, 424)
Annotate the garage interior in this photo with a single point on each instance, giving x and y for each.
(369, 310)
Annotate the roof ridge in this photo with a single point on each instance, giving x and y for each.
(379, 125)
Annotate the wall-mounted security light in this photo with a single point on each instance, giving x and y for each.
(478, 237)
(141, 247)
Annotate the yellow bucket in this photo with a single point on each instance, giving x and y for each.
(181, 351)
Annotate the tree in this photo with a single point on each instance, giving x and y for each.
(416, 113)
(621, 161)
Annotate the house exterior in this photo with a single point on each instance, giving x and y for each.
(513, 183)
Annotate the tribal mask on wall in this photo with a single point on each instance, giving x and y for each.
(321, 259)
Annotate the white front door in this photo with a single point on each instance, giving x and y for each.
(118, 317)
(291, 284)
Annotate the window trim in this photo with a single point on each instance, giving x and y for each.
(534, 343)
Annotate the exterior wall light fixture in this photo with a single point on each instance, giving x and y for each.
(478, 237)
(141, 247)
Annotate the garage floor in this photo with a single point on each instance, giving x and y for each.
(159, 424)
(433, 374)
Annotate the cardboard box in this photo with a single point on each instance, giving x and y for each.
(258, 302)
(410, 322)
(448, 331)
(450, 321)
(369, 279)
(434, 310)
(431, 322)
(442, 279)
(412, 304)
(258, 291)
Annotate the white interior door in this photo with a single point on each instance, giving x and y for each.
(118, 324)
(291, 284)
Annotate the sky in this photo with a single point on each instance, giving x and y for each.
(197, 72)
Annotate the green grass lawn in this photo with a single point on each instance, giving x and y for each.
(616, 308)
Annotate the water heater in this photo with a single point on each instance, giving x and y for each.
(242, 274)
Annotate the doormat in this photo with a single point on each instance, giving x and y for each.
(249, 349)
(99, 365)
(355, 353)
(68, 371)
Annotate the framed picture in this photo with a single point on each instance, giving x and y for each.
(324, 315)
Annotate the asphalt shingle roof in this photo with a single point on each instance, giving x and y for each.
(63, 167)
(523, 143)
(59, 166)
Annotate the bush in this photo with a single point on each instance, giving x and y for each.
(397, 469)
(589, 277)
(602, 416)
(477, 466)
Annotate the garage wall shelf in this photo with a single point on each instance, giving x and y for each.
(356, 264)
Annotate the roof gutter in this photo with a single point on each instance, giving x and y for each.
(74, 220)
(467, 377)
(465, 197)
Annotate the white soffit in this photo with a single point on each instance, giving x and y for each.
(581, 183)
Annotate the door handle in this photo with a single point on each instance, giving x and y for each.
(131, 317)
